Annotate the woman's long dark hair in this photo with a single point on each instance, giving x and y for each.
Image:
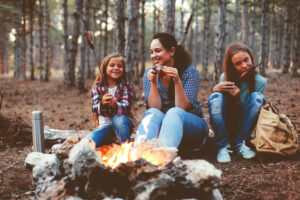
(182, 58)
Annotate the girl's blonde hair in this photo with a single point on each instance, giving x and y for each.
(102, 79)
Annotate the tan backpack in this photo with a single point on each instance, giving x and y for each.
(275, 132)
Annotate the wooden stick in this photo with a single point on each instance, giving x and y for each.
(248, 71)
(2, 94)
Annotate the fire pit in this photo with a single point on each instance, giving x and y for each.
(145, 171)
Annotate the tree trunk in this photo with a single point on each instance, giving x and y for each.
(100, 37)
(31, 59)
(296, 62)
(143, 45)
(182, 19)
(169, 16)
(154, 18)
(132, 40)
(253, 26)
(23, 44)
(81, 71)
(196, 35)
(120, 27)
(221, 37)
(105, 13)
(205, 49)
(287, 37)
(88, 50)
(245, 22)
(41, 41)
(236, 21)
(66, 42)
(47, 49)
(265, 37)
(17, 47)
(74, 42)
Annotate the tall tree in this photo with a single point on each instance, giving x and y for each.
(264, 57)
(245, 22)
(47, 48)
(132, 39)
(221, 37)
(81, 71)
(296, 63)
(120, 26)
(287, 37)
(169, 16)
(31, 22)
(66, 41)
(18, 43)
(236, 20)
(74, 43)
(182, 18)
(105, 14)
(88, 50)
(253, 27)
(154, 28)
(196, 34)
(205, 43)
(100, 37)
(41, 41)
(143, 38)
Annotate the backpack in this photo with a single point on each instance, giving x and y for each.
(275, 133)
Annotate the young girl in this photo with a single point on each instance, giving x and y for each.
(236, 102)
(174, 114)
(111, 99)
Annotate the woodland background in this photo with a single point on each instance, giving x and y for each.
(46, 64)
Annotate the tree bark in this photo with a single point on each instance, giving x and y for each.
(296, 62)
(17, 47)
(31, 59)
(265, 37)
(245, 22)
(196, 35)
(143, 37)
(66, 42)
(169, 16)
(47, 49)
(105, 13)
(74, 43)
(287, 37)
(41, 41)
(120, 27)
(81, 71)
(205, 49)
(132, 40)
(221, 39)
(100, 37)
(182, 19)
(253, 27)
(154, 18)
(236, 20)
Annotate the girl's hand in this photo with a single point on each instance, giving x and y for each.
(235, 93)
(151, 75)
(171, 72)
(107, 99)
(225, 86)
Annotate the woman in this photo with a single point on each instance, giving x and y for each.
(236, 102)
(174, 114)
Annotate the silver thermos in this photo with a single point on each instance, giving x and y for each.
(37, 131)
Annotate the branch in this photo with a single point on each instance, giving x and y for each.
(186, 29)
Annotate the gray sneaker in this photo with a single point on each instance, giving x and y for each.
(245, 151)
(223, 154)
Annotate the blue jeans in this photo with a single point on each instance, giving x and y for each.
(245, 122)
(121, 127)
(176, 128)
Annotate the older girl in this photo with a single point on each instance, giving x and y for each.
(236, 102)
(111, 98)
(174, 114)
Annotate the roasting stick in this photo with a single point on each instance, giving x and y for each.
(247, 72)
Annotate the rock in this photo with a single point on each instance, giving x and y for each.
(36, 158)
(62, 135)
(63, 151)
(83, 156)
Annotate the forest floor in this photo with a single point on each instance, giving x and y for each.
(268, 178)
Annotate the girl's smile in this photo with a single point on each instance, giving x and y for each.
(114, 69)
(161, 56)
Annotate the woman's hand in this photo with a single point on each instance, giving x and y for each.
(108, 100)
(225, 86)
(151, 75)
(171, 72)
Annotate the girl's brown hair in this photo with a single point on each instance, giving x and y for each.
(231, 74)
(101, 79)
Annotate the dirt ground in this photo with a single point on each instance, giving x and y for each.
(66, 108)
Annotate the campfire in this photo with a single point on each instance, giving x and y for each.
(147, 170)
(151, 151)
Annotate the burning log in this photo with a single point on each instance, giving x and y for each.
(83, 174)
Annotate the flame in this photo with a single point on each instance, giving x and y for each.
(151, 151)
